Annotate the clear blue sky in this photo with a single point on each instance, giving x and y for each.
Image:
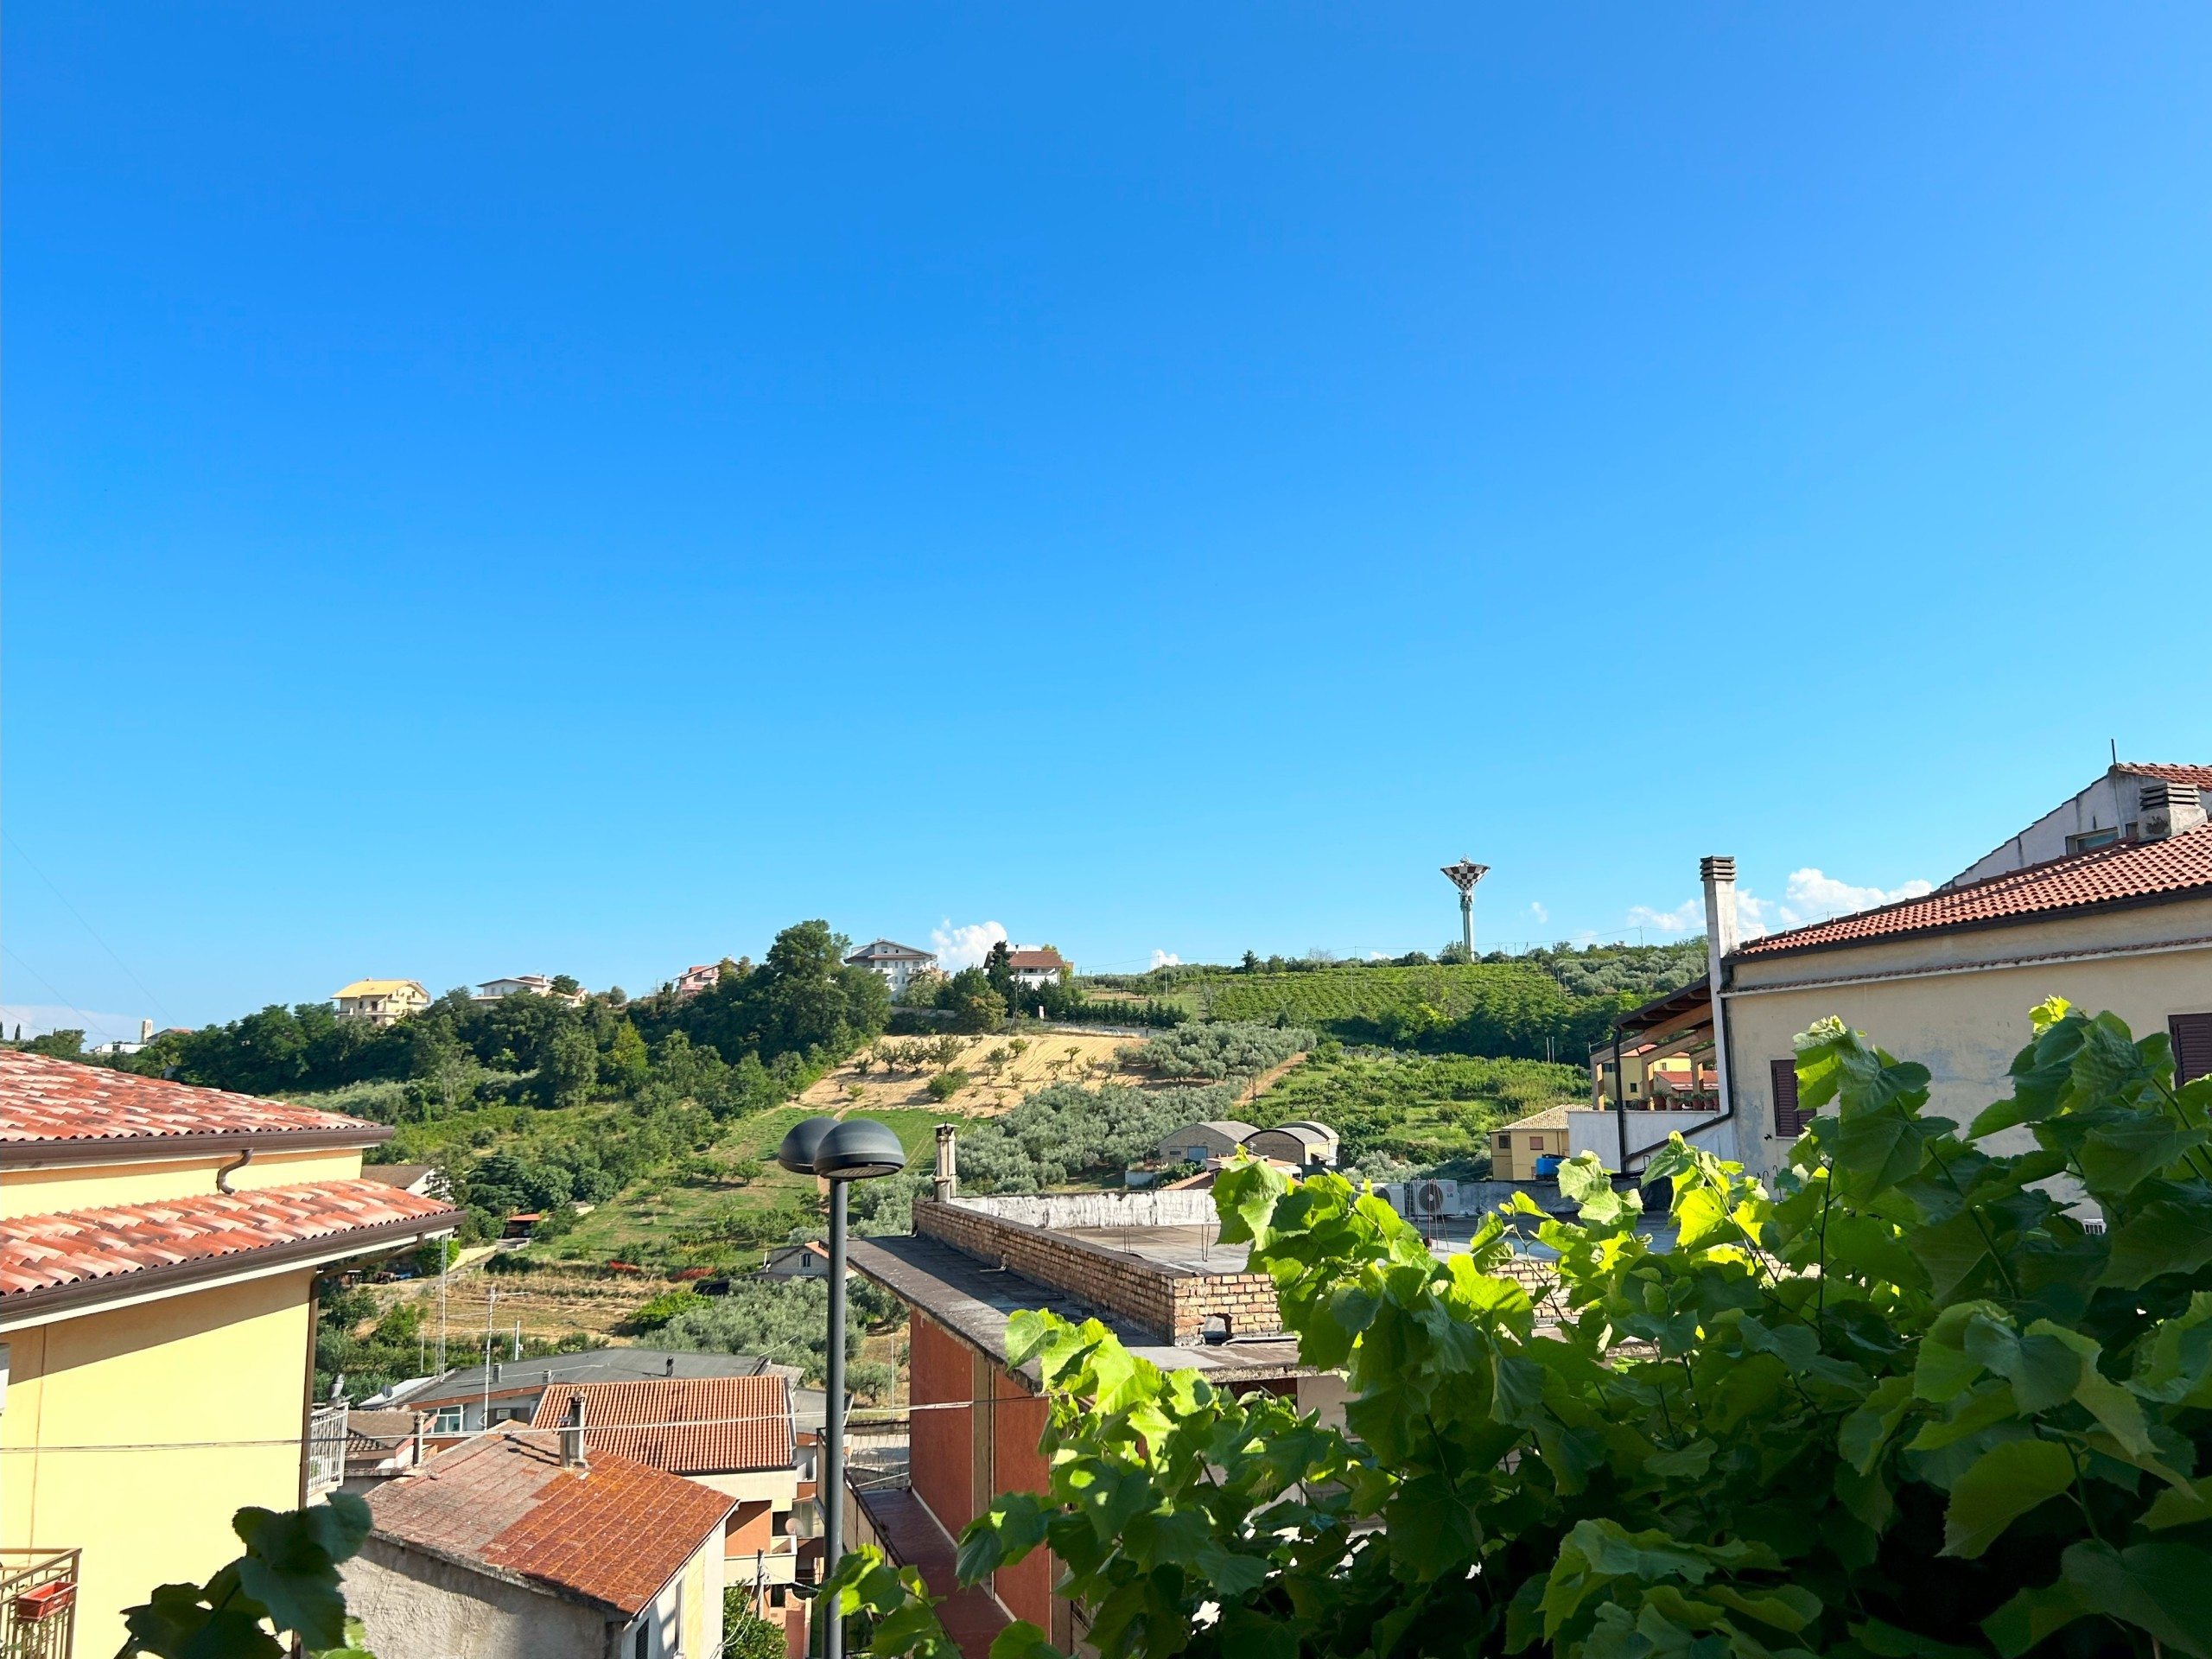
(554, 489)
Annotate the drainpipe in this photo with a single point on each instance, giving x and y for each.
(1719, 874)
(1620, 1101)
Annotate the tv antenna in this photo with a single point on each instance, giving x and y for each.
(1464, 876)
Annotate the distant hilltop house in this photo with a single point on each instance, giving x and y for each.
(897, 962)
(120, 1046)
(382, 1001)
(1039, 965)
(424, 1181)
(701, 976)
(492, 990)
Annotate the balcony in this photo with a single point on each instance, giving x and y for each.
(38, 1603)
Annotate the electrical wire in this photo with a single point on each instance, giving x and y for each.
(82, 923)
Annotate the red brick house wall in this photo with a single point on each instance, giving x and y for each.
(941, 1370)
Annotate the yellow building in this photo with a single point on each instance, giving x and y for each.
(1515, 1147)
(158, 1249)
(382, 1001)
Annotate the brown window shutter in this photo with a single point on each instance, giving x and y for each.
(2192, 1038)
(1788, 1122)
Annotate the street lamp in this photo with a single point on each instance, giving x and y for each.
(856, 1149)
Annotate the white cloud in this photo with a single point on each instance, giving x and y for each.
(1539, 914)
(1166, 959)
(1808, 896)
(1683, 919)
(965, 947)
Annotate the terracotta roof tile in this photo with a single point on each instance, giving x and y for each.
(686, 1425)
(2200, 776)
(613, 1532)
(1046, 957)
(2123, 873)
(42, 1098)
(72, 1246)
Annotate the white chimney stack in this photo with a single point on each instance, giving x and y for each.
(1719, 874)
(947, 1178)
(572, 1433)
(145, 1031)
(2165, 809)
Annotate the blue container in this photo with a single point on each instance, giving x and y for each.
(1549, 1165)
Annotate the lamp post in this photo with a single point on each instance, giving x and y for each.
(856, 1149)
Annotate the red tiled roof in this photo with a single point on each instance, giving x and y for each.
(77, 1246)
(1046, 957)
(2200, 776)
(2123, 873)
(686, 1425)
(42, 1098)
(612, 1532)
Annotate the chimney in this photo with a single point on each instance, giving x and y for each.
(2167, 810)
(669, 1366)
(1719, 874)
(417, 1461)
(495, 1370)
(948, 1165)
(572, 1433)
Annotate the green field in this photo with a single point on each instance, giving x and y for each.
(1423, 1109)
(1337, 994)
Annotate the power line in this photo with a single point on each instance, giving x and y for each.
(85, 1021)
(82, 923)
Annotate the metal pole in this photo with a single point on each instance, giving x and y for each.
(831, 1486)
(1620, 1104)
(1467, 922)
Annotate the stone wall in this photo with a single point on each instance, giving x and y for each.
(1190, 1208)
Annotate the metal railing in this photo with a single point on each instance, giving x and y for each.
(325, 1450)
(38, 1603)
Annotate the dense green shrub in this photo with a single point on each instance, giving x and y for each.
(1903, 1405)
(786, 1320)
(1213, 1052)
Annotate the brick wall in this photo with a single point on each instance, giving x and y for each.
(1173, 1302)
(941, 1373)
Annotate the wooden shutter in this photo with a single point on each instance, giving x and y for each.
(2192, 1036)
(1788, 1122)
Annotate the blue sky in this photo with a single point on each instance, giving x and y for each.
(534, 490)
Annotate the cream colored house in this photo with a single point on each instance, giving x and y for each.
(382, 1001)
(1948, 979)
(159, 1245)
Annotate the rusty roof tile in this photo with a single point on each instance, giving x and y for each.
(686, 1425)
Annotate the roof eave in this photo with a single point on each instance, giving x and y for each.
(94, 1149)
(1976, 925)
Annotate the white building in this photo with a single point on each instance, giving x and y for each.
(1035, 965)
(2133, 801)
(898, 963)
(523, 984)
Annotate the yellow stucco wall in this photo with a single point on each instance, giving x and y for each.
(1964, 1026)
(225, 1365)
(43, 1191)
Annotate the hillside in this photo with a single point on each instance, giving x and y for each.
(1399, 1112)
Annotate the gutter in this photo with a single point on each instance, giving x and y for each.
(169, 1278)
(2198, 941)
(98, 1149)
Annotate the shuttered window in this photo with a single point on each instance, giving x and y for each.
(2192, 1035)
(1788, 1122)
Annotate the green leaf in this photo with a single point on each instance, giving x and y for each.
(1009, 1529)
(1877, 1149)
(2004, 1484)
(1889, 1642)
(2118, 1158)
(1690, 1461)
(2121, 1412)
(1785, 1606)
(287, 1567)
(1022, 1640)
(2180, 1506)
(2162, 1587)
(1867, 1429)
(1583, 1177)
(2169, 1234)
(1232, 1574)
(2033, 1616)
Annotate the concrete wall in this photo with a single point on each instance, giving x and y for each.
(417, 1606)
(2114, 801)
(1964, 1026)
(1600, 1132)
(1183, 1209)
(221, 1365)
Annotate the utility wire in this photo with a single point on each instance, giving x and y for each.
(84, 1023)
(82, 923)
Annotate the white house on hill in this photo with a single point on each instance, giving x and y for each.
(897, 962)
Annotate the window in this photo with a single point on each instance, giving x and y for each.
(2192, 1040)
(448, 1421)
(642, 1648)
(1506, 1143)
(1789, 1121)
(2089, 838)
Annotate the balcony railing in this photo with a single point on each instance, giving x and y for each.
(326, 1452)
(38, 1603)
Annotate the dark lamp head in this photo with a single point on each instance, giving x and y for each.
(859, 1149)
(805, 1140)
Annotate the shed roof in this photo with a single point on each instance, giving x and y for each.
(2118, 875)
(688, 1426)
(612, 1533)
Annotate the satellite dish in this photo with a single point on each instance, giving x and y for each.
(1430, 1196)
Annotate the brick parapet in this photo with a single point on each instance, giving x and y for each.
(1173, 1302)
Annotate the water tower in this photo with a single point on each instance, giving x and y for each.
(1464, 876)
